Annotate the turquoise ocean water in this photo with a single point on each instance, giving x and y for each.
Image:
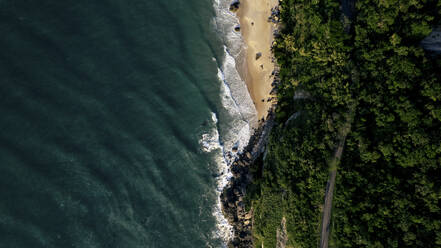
(110, 116)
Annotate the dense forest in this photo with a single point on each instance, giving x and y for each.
(367, 71)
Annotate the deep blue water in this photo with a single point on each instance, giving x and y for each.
(102, 106)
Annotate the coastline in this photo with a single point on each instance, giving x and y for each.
(338, 92)
(257, 69)
(234, 209)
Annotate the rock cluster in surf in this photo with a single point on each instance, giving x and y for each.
(232, 197)
(234, 6)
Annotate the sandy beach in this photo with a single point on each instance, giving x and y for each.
(257, 34)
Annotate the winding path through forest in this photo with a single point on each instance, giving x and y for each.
(333, 164)
(348, 13)
(326, 221)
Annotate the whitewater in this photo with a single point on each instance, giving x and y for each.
(233, 129)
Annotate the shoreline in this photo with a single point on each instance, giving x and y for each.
(259, 71)
(257, 68)
(232, 196)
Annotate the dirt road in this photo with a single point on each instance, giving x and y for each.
(326, 221)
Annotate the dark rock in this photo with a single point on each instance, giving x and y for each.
(233, 205)
(258, 55)
(237, 28)
(235, 173)
(234, 6)
(273, 91)
(236, 191)
(239, 205)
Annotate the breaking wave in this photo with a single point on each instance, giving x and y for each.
(238, 118)
(210, 142)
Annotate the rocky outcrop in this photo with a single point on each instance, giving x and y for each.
(233, 195)
(234, 6)
(234, 207)
(275, 15)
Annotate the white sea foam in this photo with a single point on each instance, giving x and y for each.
(237, 134)
(241, 116)
(225, 21)
(210, 142)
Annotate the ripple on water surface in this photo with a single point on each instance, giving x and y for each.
(103, 105)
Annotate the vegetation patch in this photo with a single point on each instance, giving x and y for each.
(388, 187)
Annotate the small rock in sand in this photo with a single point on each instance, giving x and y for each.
(258, 55)
(237, 28)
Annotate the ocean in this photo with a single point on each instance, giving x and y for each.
(117, 122)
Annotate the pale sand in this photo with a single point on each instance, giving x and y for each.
(258, 38)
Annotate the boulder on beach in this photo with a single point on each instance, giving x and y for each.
(237, 28)
(258, 55)
(234, 6)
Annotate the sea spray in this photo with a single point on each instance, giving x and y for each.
(210, 143)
